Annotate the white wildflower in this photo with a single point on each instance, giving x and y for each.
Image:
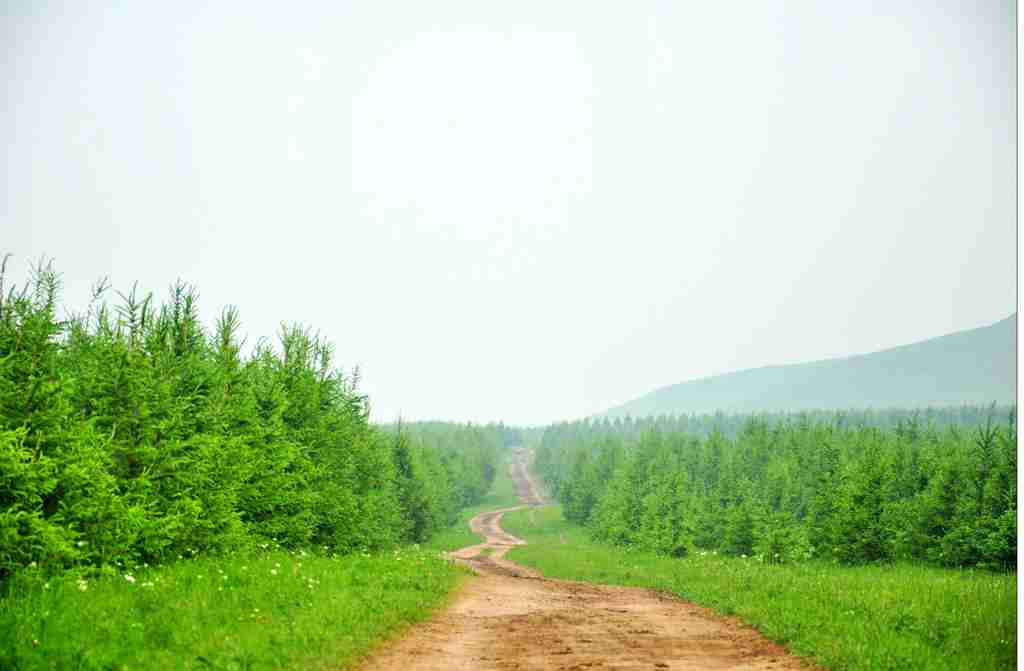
(129, 577)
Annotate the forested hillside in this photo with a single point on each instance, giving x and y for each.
(797, 488)
(133, 434)
(978, 366)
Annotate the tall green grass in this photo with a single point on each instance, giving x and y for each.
(278, 611)
(897, 616)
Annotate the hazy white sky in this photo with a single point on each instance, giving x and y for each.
(526, 211)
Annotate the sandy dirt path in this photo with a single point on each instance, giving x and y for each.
(510, 617)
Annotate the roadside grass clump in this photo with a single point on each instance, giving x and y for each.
(873, 616)
(501, 495)
(280, 610)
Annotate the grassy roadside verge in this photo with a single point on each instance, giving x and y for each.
(278, 611)
(502, 495)
(870, 617)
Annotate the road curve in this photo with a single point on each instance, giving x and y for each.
(511, 617)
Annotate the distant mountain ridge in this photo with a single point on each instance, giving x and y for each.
(976, 366)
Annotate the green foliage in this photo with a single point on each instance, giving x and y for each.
(792, 488)
(501, 495)
(133, 435)
(468, 453)
(872, 616)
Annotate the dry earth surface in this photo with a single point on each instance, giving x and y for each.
(510, 617)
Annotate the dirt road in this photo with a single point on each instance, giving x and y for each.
(510, 617)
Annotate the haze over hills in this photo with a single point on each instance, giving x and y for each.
(974, 366)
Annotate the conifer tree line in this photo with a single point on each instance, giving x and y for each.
(798, 487)
(729, 424)
(444, 467)
(133, 434)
